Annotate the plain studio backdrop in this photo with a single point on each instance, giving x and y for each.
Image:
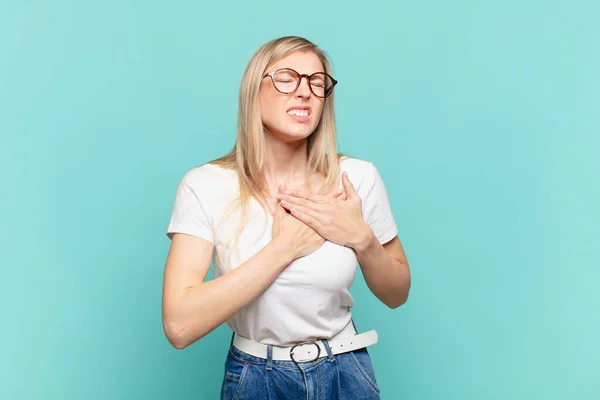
(481, 116)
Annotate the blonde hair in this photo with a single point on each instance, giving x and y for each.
(247, 157)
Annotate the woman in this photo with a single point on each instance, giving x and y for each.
(288, 220)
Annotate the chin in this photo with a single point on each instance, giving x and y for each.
(293, 134)
(297, 135)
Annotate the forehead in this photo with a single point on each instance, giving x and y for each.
(304, 62)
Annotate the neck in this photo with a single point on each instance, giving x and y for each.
(284, 160)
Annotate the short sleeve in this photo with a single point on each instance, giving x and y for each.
(189, 215)
(377, 212)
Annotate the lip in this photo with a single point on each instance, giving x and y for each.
(299, 108)
(298, 118)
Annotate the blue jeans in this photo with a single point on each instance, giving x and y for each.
(345, 376)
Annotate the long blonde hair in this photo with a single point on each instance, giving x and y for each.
(247, 157)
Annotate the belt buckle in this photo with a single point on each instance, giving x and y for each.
(305, 344)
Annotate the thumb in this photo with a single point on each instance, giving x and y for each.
(280, 189)
(336, 194)
(348, 187)
(278, 214)
(340, 194)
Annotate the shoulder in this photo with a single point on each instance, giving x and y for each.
(356, 166)
(206, 190)
(209, 177)
(366, 179)
(361, 173)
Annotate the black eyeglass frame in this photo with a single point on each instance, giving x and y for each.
(299, 80)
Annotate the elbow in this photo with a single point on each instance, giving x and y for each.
(177, 335)
(393, 304)
(178, 343)
(400, 299)
(397, 294)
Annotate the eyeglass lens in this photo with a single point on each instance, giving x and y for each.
(286, 81)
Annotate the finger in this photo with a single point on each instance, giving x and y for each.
(342, 195)
(307, 218)
(296, 202)
(303, 210)
(278, 210)
(315, 198)
(337, 193)
(310, 200)
(280, 189)
(348, 187)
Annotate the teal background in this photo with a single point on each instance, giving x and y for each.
(481, 116)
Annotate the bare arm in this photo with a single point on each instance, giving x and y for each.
(191, 307)
(385, 268)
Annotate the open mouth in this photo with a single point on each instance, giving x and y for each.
(299, 112)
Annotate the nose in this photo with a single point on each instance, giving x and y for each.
(303, 90)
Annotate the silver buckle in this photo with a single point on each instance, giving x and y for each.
(305, 344)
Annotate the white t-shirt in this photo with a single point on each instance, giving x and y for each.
(310, 298)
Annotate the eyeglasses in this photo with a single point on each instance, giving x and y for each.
(286, 81)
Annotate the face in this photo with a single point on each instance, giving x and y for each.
(293, 116)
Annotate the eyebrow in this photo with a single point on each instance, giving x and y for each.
(320, 72)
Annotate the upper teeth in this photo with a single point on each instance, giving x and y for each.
(301, 113)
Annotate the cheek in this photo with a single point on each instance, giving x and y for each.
(271, 107)
(318, 110)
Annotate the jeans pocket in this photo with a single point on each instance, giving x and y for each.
(362, 360)
(233, 381)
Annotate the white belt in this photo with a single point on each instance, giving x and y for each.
(345, 341)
